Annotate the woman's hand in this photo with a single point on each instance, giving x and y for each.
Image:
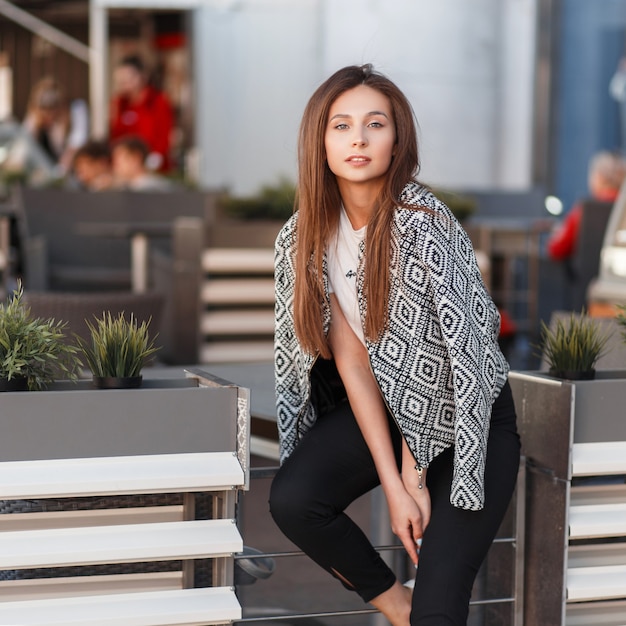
(414, 483)
(407, 520)
(417, 489)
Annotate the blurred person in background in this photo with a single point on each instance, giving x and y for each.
(607, 171)
(92, 168)
(138, 109)
(50, 134)
(129, 156)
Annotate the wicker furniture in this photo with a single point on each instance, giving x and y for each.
(76, 308)
(79, 241)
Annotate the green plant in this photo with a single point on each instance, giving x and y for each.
(119, 347)
(33, 348)
(575, 345)
(272, 202)
(462, 206)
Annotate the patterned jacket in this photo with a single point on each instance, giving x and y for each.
(438, 364)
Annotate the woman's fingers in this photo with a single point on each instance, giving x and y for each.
(409, 543)
(409, 514)
(422, 500)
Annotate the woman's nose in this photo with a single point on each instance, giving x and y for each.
(359, 139)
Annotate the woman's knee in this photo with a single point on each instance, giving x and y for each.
(442, 593)
(279, 499)
(290, 504)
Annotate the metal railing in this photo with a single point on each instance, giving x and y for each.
(516, 540)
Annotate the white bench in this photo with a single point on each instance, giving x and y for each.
(237, 300)
(597, 571)
(596, 583)
(597, 459)
(94, 537)
(597, 520)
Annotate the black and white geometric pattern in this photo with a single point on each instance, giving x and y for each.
(438, 364)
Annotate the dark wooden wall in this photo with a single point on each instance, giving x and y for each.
(32, 58)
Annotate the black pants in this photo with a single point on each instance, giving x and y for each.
(332, 467)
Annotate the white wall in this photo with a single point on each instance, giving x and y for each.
(466, 65)
(256, 64)
(516, 94)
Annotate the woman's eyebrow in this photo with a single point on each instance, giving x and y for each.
(347, 116)
(339, 116)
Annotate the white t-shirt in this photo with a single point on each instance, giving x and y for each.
(343, 261)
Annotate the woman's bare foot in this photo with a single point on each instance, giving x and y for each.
(395, 604)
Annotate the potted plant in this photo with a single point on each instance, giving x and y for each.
(118, 351)
(33, 351)
(252, 221)
(175, 411)
(461, 205)
(572, 348)
(564, 423)
(274, 202)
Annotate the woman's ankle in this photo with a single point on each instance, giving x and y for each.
(395, 604)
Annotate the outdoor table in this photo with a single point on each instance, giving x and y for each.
(258, 377)
(508, 241)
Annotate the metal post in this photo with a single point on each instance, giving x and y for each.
(187, 244)
(520, 530)
(98, 96)
(139, 250)
(189, 513)
(224, 505)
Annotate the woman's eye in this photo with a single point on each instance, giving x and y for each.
(341, 126)
(375, 124)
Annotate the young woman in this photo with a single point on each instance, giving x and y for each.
(387, 363)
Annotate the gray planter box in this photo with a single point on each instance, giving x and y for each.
(200, 413)
(180, 414)
(238, 233)
(553, 415)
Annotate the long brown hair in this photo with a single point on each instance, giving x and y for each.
(319, 201)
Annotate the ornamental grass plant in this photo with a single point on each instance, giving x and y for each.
(119, 347)
(573, 346)
(271, 202)
(32, 348)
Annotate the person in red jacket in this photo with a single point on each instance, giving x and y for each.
(606, 174)
(141, 110)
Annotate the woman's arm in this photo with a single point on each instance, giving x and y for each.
(414, 482)
(409, 513)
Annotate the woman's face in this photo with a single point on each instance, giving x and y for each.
(128, 81)
(360, 136)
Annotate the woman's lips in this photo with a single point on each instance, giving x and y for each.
(358, 159)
